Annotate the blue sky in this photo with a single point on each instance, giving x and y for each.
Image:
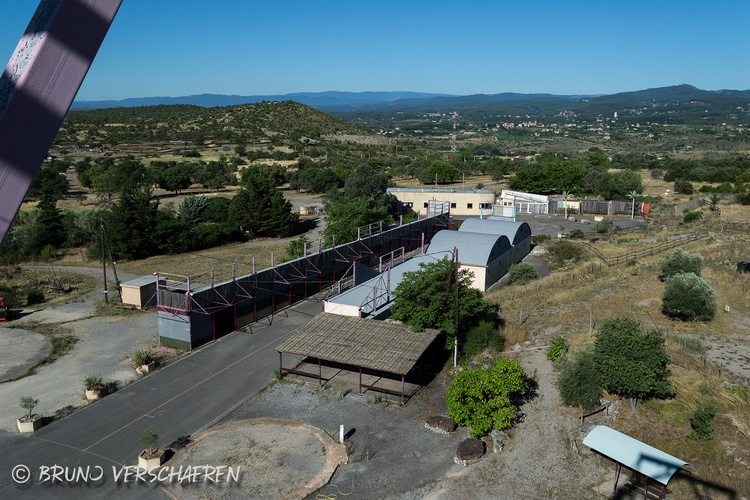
(247, 47)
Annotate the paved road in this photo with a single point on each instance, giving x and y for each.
(179, 400)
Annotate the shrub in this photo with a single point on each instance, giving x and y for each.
(743, 198)
(575, 233)
(578, 382)
(484, 399)
(657, 173)
(701, 422)
(563, 251)
(483, 336)
(689, 297)
(522, 273)
(558, 346)
(541, 238)
(93, 383)
(34, 296)
(683, 187)
(679, 261)
(28, 403)
(141, 357)
(689, 216)
(603, 226)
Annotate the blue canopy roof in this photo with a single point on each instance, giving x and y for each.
(634, 454)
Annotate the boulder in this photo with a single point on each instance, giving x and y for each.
(469, 449)
(440, 424)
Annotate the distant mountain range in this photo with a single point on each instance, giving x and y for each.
(677, 98)
(317, 100)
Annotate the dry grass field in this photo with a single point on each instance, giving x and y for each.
(572, 302)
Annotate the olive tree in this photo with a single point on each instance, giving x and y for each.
(689, 297)
(679, 261)
(632, 361)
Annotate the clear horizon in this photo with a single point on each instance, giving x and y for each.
(172, 48)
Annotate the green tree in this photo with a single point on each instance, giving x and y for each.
(487, 398)
(578, 382)
(683, 187)
(345, 216)
(260, 209)
(217, 210)
(176, 177)
(214, 175)
(618, 185)
(192, 208)
(132, 225)
(679, 261)
(426, 299)
(49, 182)
(50, 220)
(689, 297)
(366, 182)
(632, 361)
(440, 172)
(296, 248)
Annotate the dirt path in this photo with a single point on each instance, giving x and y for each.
(538, 461)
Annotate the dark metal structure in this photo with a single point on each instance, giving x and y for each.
(194, 310)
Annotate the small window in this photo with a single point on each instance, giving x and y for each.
(425, 204)
(469, 205)
(453, 205)
(485, 206)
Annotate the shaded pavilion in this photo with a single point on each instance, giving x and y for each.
(358, 344)
(636, 455)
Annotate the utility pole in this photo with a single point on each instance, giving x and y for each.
(104, 267)
(111, 260)
(454, 136)
(455, 307)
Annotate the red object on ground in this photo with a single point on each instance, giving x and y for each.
(3, 310)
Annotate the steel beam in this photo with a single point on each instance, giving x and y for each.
(38, 86)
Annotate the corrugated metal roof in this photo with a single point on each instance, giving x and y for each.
(376, 345)
(474, 248)
(634, 454)
(142, 281)
(515, 231)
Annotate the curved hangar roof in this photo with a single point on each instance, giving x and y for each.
(515, 231)
(474, 249)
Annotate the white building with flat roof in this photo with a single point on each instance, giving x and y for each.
(462, 202)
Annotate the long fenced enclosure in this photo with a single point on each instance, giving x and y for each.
(194, 310)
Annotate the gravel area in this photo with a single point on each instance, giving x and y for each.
(393, 455)
(273, 460)
(104, 343)
(539, 460)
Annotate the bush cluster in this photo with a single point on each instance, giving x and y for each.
(522, 273)
(701, 422)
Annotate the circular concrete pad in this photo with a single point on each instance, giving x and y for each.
(21, 350)
(277, 458)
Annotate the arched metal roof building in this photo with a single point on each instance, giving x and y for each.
(486, 255)
(518, 233)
